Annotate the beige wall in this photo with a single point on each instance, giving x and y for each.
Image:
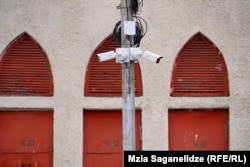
(69, 31)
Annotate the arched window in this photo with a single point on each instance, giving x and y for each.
(25, 69)
(199, 70)
(104, 79)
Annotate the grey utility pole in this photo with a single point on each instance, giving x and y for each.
(126, 55)
(128, 88)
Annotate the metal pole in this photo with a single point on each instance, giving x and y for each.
(128, 110)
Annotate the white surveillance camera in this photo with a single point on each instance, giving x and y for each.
(106, 56)
(152, 56)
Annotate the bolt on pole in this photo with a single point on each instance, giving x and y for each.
(128, 94)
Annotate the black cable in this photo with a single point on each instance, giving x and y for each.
(139, 31)
(136, 6)
(140, 24)
(117, 33)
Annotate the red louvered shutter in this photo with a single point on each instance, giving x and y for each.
(200, 70)
(105, 78)
(25, 69)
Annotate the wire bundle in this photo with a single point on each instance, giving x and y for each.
(135, 8)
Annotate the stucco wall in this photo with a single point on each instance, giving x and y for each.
(69, 31)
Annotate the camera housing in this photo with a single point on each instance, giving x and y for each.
(152, 56)
(106, 56)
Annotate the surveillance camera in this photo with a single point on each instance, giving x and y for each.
(106, 56)
(152, 56)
